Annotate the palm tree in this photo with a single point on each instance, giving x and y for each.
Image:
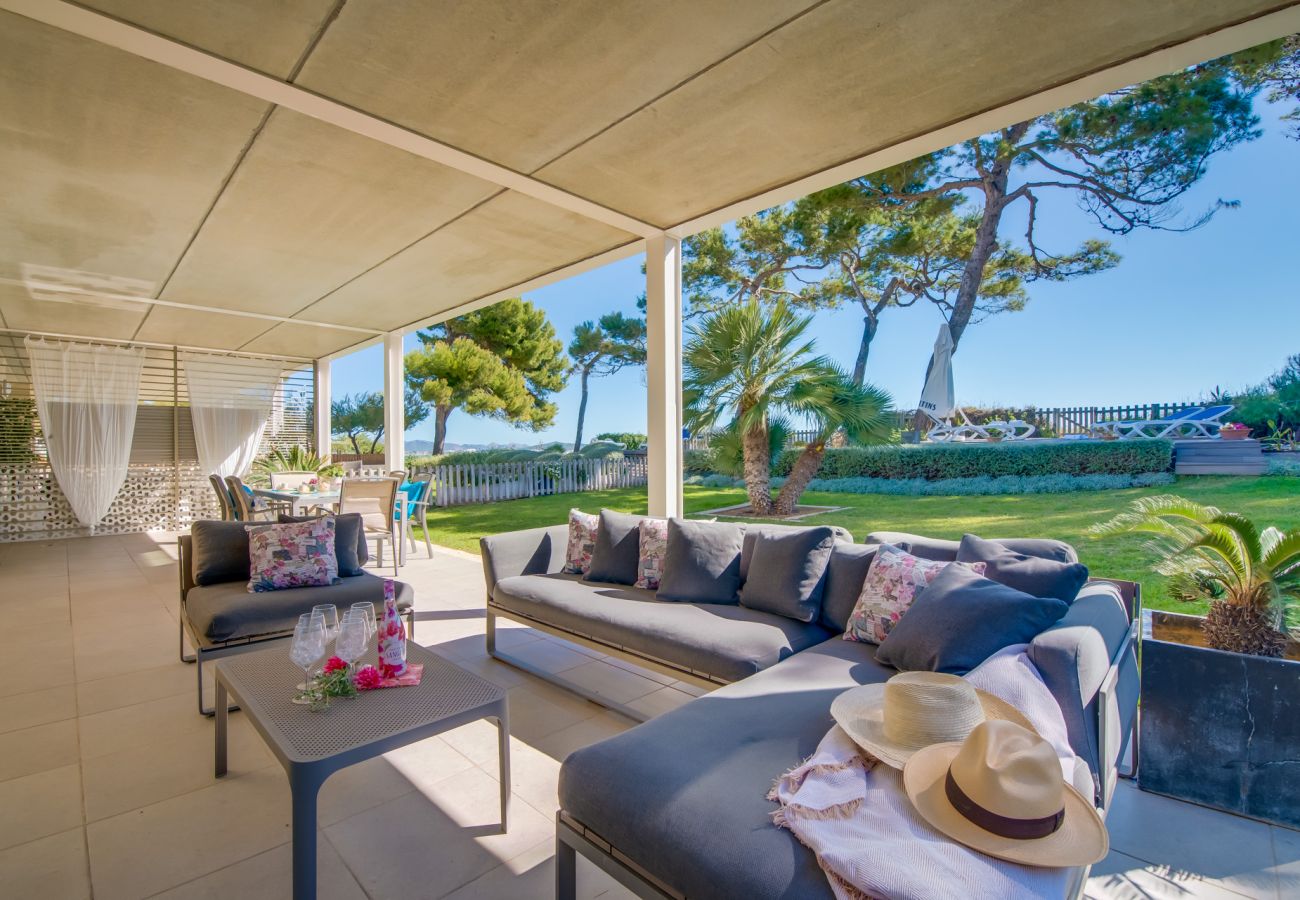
(748, 364)
(1251, 577)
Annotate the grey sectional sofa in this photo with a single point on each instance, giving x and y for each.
(221, 617)
(676, 806)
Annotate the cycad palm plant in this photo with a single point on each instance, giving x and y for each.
(1250, 576)
(745, 364)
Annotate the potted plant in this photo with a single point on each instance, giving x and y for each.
(1234, 431)
(1220, 714)
(994, 434)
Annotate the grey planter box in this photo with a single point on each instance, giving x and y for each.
(1219, 729)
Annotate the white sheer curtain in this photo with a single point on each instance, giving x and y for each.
(86, 396)
(230, 400)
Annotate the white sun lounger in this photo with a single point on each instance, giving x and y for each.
(1192, 422)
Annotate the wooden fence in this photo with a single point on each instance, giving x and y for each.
(1082, 419)
(489, 482)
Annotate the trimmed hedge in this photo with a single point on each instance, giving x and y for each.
(959, 487)
(945, 461)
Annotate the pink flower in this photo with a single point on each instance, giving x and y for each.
(367, 678)
(334, 664)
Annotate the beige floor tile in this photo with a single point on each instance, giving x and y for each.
(37, 707)
(1192, 842)
(53, 866)
(151, 722)
(188, 836)
(1120, 877)
(148, 649)
(661, 701)
(131, 688)
(1286, 860)
(547, 656)
(589, 731)
(38, 749)
(269, 876)
(357, 788)
(429, 761)
(538, 709)
(532, 875)
(39, 805)
(643, 672)
(495, 671)
(477, 741)
(149, 772)
(387, 847)
(610, 682)
(576, 648)
(534, 777)
(693, 689)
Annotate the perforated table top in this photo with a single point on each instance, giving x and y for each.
(264, 682)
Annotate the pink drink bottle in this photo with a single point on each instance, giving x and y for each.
(392, 636)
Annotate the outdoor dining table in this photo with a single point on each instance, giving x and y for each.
(302, 502)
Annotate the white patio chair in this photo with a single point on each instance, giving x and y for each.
(1192, 422)
(290, 481)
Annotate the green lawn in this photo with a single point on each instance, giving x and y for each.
(1270, 501)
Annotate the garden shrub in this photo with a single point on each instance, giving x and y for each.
(948, 461)
(1284, 465)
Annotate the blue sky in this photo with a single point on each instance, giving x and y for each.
(1181, 314)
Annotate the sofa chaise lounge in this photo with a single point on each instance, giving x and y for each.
(676, 806)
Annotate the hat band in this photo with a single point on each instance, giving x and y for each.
(1002, 826)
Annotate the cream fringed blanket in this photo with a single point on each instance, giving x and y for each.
(854, 815)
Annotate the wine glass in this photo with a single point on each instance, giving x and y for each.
(330, 613)
(366, 610)
(352, 639)
(308, 646)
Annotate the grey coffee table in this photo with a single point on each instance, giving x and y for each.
(313, 745)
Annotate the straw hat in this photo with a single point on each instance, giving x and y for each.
(912, 710)
(1001, 792)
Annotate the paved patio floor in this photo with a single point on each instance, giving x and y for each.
(106, 784)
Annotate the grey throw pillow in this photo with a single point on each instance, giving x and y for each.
(787, 571)
(618, 548)
(845, 572)
(702, 564)
(842, 535)
(961, 619)
(1027, 572)
(219, 552)
(350, 547)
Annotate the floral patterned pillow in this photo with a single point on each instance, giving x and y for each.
(650, 560)
(295, 554)
(582, 541)
(892, 583)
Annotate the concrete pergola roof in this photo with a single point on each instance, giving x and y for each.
(305, 176)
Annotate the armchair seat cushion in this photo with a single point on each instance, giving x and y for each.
(221, 613)
(726, 641)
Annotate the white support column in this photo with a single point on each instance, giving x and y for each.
(322, 407)
(663, 283)
(394, 410)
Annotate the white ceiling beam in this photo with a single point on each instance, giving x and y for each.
(1250, 33)
(184, 58)
(532, 284)
(35, 286)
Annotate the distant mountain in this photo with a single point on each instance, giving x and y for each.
(419, 446)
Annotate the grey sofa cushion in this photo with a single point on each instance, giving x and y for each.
(842, 535)
(1074, 655)
(946, 551)
(1025, 572)
(702, 564)
(618, 544)
(961, 619)
(845, 573)
(349, 541)
(787, 574)
(228, 612)
(683, 795)
(727, 642)
(220, 552)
